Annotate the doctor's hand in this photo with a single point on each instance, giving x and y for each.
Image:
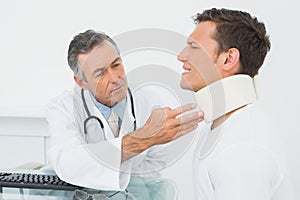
(166, 124)
(163, 126)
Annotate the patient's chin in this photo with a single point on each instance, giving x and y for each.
(186, 85)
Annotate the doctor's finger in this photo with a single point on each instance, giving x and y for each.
(185, 131)
(190, 117)
(188, 125)
(181, 109)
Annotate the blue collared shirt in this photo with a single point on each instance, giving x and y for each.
(119, 108)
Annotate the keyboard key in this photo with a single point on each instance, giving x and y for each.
(34, 181)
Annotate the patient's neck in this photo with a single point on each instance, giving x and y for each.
(217, 122)
(219, 100)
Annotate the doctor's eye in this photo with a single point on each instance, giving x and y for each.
(117, 64)
(99, 74)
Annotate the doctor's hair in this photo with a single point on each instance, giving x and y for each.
(84, 43)
(238, 29)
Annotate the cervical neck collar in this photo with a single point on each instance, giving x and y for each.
(226, 95)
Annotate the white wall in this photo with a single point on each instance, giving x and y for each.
(35, 35)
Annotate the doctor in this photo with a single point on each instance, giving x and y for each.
(101, 132)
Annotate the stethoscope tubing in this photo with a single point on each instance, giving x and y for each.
(97, 118)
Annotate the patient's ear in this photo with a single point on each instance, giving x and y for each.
(80, 82)
(231, 61)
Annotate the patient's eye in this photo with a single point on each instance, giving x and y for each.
(194, 45)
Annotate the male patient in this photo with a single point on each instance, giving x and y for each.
(240, 157)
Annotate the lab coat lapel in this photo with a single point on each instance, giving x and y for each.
(128, 119)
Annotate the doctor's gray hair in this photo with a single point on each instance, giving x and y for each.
(84, 43)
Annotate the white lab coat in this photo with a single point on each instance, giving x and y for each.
(90, 161)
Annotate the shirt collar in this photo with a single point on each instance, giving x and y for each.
(119, 108)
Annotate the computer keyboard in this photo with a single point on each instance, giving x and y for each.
(34, 181)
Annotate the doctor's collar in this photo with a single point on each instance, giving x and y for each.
(119, 108)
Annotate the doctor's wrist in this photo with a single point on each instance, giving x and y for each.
(135, 143)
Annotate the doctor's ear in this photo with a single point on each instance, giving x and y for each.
(231, 60)
(80, 82)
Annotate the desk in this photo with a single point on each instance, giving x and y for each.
(25, 193)
(139, 188)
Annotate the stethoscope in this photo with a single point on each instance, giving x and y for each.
(97, 118)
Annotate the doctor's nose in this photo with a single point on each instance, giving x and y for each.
(113, 76)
